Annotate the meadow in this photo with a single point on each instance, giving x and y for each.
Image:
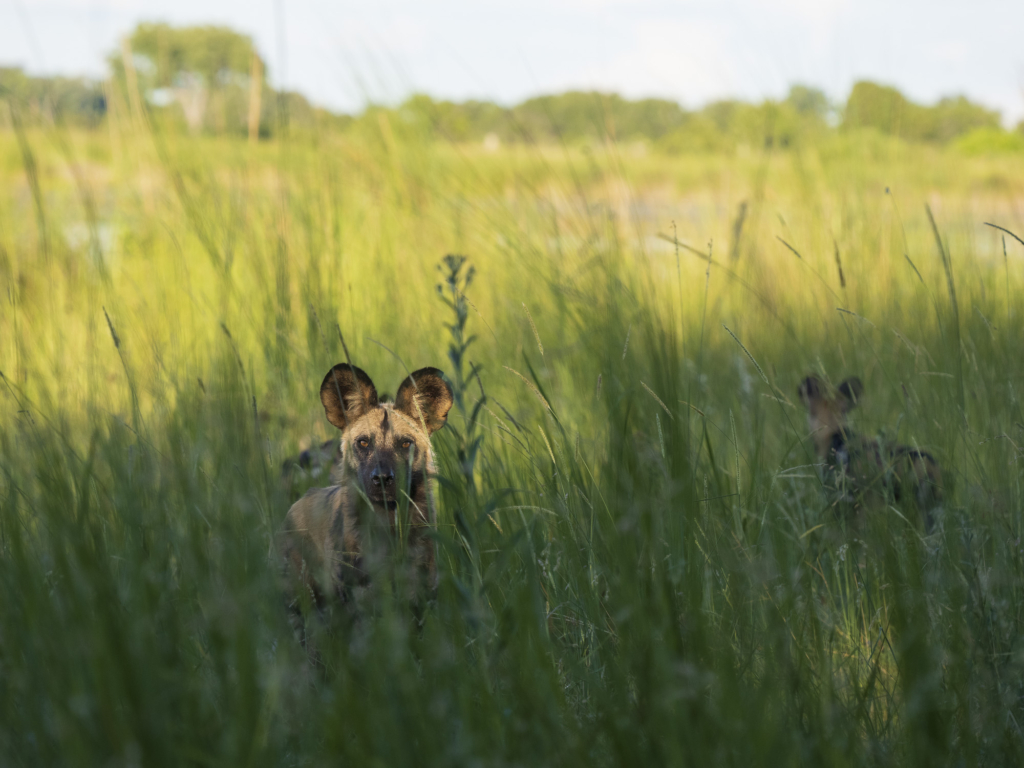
(638, 563)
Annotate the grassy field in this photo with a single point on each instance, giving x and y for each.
(638, 565)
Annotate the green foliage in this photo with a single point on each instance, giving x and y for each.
(886, 110)
(875, 106)
(575, 115)
(446, 120)
(981, 141)
(727, 125)
(571, 117)
(809, 101)
(637, 562)
(175, 56)
(203, 71)
(200, 77)
(457, 277)
(956, 116)
(71, 101)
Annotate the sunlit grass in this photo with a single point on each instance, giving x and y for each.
(643, 568)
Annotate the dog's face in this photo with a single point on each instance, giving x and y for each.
(388, 452)
(826, 415)
(386, 446)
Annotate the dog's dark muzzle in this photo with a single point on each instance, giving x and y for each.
(381, 486)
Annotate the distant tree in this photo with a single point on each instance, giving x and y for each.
(753, 125)
(875, 106)
(809, 102)
(723, 126)
(205, 70)
(73, 101)
(698, 134)
(769, 124)
(451, 121)
(576, 114)
(957, 116)
(646, 118)
(887, 110)
(568, 116)
(724, 114)
(214, 55)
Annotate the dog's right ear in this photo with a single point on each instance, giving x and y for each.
(851, 390)
(347, 393)
(810, 390)
(425, 397)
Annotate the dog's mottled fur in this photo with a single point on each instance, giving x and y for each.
(386, 465)
(860, 469)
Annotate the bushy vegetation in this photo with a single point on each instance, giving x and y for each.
(637, 560)
(805, 117)
(885, 109)
(36, 100)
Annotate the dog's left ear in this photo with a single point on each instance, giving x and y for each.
(426, 398)
(809, 390)
(347, 393)
(850, 392)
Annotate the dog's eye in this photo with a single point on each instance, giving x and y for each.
(362, 442)
(406, 443)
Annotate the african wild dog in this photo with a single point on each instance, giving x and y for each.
(314, 462)
(334, 537)
(859, 469)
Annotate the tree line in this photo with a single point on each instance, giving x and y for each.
(210, 79)
(805, 115)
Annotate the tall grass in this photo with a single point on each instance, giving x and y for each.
(637, 562)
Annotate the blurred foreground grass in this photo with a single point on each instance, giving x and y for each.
(642, 568)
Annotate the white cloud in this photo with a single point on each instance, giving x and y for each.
(90, 5)
(695, 61)
(952, 51)
(810, 10)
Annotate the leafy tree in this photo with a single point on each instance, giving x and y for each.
(875, 106)
(648, 118)
(167, 56)
(466, 121)
(698, 134)
(809, 102)
(728, 124)
(888, 111)
(571, 116)
(956, 116)
(577, 115)
(205, 70)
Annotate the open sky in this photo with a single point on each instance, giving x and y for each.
(340, 53)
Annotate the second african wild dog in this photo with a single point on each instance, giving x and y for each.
(297, 472)
(328, 541)
(859, 469)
